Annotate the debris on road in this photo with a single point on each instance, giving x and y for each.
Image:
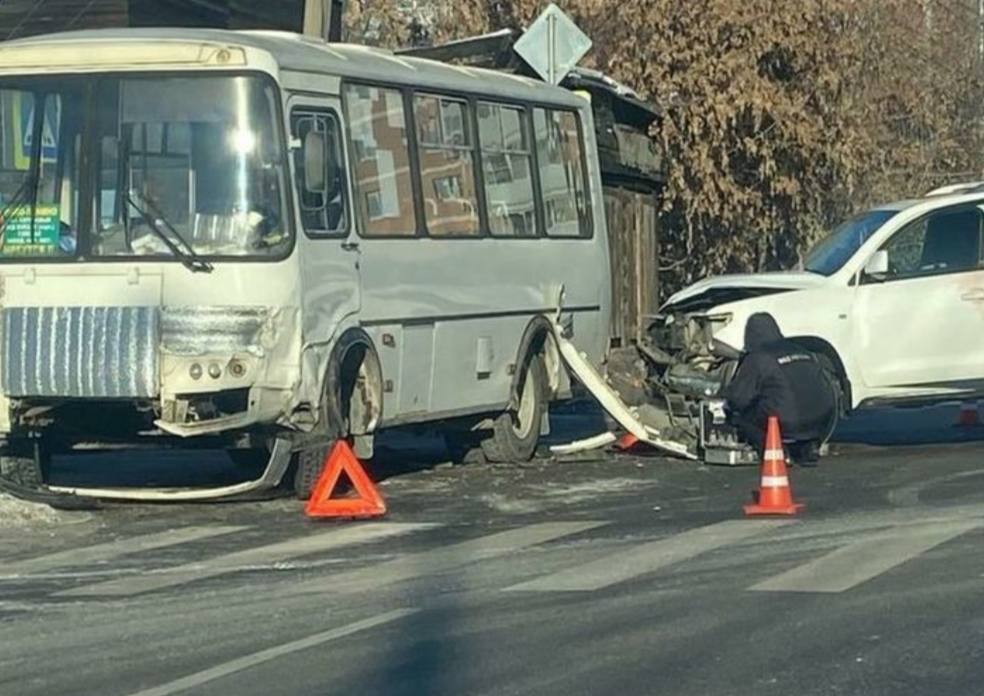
(612, 402)
(587, 444)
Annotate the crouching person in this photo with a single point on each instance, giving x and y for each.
(777, 377)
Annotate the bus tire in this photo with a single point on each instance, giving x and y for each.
(464, 448)
(309, 463)
(515, 433)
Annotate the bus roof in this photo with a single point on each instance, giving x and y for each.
(302, 53)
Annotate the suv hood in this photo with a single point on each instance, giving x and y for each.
(710, 292)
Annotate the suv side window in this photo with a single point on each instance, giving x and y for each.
(948, 241)
(319, 171)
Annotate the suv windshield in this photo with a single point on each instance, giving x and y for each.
(834, 250)
(84, 159)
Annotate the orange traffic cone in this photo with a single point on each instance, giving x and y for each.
(368, 503)
(968, 417)
(774, 495)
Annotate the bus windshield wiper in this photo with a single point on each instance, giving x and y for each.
(190, 259)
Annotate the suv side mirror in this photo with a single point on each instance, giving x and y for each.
(878, 264)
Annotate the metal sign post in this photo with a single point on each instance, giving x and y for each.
(552, 45)
(323, 19)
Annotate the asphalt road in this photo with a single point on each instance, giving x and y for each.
(621, 574)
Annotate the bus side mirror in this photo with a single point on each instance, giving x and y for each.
(877, 265)
(314, 162)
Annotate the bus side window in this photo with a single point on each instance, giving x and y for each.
(319, 172)
(377, 127)
(560, 157)
(507, 166)
(447, 168)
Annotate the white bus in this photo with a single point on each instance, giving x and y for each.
(237, 239)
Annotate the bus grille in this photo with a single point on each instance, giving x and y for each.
(100, 352)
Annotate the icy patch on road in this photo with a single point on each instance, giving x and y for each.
(552, 494)
(586, 491)
(20, 513)
(503, 503)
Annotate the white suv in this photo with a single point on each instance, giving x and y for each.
(892, 301)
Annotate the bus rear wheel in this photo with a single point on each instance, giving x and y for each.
(515, 433)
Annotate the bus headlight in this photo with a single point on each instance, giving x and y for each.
(214, 370)
(195, 371)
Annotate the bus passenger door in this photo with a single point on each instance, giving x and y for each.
(328, 256)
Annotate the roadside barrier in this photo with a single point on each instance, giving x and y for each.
(775, 496)
(367, 502)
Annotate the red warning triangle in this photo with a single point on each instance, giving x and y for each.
(367, 503)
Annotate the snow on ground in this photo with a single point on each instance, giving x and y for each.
(20, 513)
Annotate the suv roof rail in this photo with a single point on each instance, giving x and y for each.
(964, 187)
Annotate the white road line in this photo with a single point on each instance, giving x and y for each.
(246, 662)
(439, 560)
(863, 560)
(646, 558)
(220, 565)
(103, 552)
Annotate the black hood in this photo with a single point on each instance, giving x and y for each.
(761, 330)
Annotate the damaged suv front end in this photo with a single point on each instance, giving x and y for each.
(694, 343)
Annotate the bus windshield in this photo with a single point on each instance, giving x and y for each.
(144, 166)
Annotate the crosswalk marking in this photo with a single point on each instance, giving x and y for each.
(863, 560)
(239, 664)
(646, 558)
(100, 553)
(220, 565)
(439, 560)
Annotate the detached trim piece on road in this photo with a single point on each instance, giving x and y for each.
(863, 560)
(646, 558)
(242, 663)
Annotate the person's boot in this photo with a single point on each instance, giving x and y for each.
(808, 453)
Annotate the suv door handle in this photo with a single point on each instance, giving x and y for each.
(354, 246)
(975, 295)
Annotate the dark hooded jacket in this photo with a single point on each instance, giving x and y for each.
(778, 377)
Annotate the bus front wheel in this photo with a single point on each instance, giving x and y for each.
(309, 463)
(515, 432)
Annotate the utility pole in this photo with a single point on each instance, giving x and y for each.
(323, 19)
